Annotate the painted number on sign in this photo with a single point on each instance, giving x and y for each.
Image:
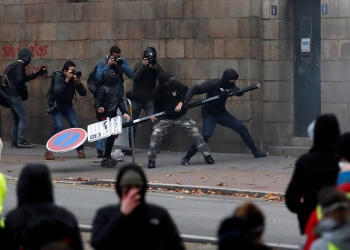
(274, 10)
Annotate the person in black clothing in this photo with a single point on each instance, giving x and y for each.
(145, 81)
(134, 223)
(37, 220)
(107, 102)
(215, 112)
(5, 101)
(168, 97)
(16, 73)
(64, 86)
(314, 170)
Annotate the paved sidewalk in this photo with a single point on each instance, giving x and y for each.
(230, 171)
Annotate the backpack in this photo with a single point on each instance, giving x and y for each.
(51, 92)
(40, 230)
(92, 83)
(5, 83)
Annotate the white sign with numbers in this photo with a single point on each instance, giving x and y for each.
(104, 129)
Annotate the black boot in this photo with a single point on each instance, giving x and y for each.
(151, 164)
(209, 159)
(259, 154)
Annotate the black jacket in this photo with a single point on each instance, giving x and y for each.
(16, 73)
(147, 227)
(64, 93)
(145, 81)
(109, 98)
(166, 98)
(313, 171)
(214, 87)
(36, 209)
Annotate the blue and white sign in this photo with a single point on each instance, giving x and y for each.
(324, 9)
(305, 45)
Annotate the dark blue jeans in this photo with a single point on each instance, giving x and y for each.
(69, 114)
(20, 120)
(227, 120)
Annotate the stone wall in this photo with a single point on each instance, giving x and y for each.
(335, 54)
(277, 95)
(195, 39)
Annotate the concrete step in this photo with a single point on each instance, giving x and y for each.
(300, 142)
(294, 151)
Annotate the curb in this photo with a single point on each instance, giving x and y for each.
(189, 188)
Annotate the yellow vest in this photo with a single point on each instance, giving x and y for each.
(3, 192)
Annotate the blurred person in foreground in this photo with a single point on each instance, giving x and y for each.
(3, 192)
(314, 170)
(341, 148)
(334, 227)
(134, 223)
(37, 221)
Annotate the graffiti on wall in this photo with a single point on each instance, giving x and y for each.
(38, 50)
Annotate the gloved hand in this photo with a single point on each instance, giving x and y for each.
(223, 94)
(41, 71)
(184, 105)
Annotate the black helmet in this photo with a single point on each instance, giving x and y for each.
(150, 52)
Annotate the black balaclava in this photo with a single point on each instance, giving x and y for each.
(164, 78)
(341, 146)
(25, 55)
(326, 132)
(229, 74)
(137, 174)
(109, 77)
(34, 185)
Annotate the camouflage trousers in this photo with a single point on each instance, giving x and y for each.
(184, 123)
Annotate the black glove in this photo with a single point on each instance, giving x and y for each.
(223, 94)
(41, 71)
(184, 105)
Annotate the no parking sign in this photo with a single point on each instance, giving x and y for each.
(66, 140)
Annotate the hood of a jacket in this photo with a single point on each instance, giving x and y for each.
(229, 74)
(34, 184)
(25, 56)
(109, 77)
(333, 232)
(326, 132)
(128, 171)
(3, 191)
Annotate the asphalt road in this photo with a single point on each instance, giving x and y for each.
(194, 215)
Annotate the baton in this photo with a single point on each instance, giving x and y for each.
(190, 105)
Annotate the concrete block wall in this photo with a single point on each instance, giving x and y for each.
(335, 54)
(196, 40)
(277, 76)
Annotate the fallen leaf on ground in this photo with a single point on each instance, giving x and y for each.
(9, 170)
(168, 175)
(220, 184)
(185, 172)
(179, 183)
(202, 177)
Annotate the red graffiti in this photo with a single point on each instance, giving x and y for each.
(37, 50)
(9, 51)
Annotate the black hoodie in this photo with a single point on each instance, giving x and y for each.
(108, 96)
(147, 227)
(214, 87)
(314, 170)
(16, 73)
(36, 212)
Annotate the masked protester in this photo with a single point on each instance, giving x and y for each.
(107, 102)
(134, 223)
(16, 73)
(314, 170)
(168, 97)
(37, 221)
(215, 112)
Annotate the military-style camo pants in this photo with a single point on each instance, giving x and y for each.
(184, 123)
